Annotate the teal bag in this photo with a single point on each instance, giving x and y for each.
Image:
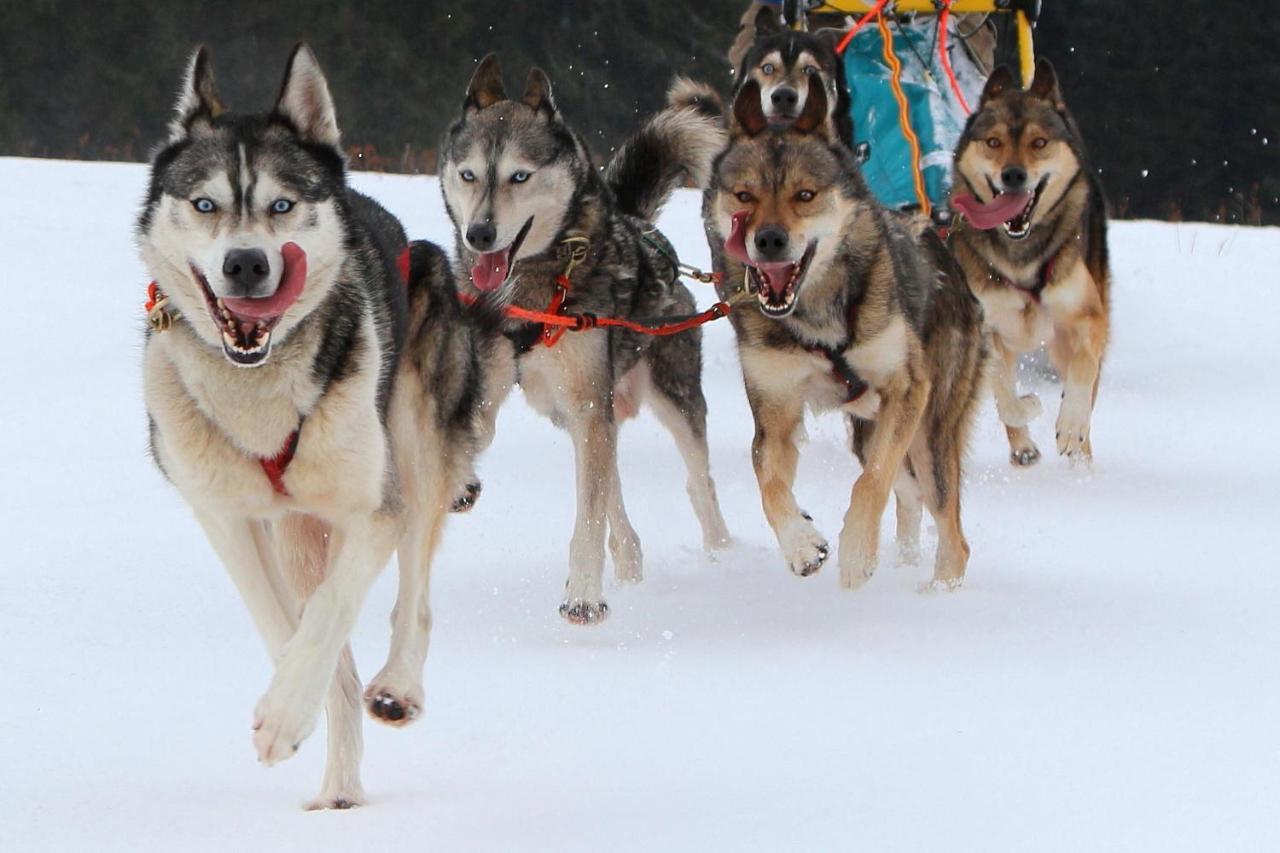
(936, 118)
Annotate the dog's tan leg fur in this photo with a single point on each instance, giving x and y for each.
(1015, 412)
(697, 460)
(775, 456)
(909, 511)
(1080, 339)
(902, 405)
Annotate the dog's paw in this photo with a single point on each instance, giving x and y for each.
(940, 585)
(1024, 457)
(855, 569)
(391, 705)
(803, 547)
(278, 729)
(581, 612)
(1073, 429)
(465, 501)
(343, 797)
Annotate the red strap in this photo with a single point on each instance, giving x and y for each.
(557, 322)
(403, 263)
(275, 467)
(153, 296)
(862, 22)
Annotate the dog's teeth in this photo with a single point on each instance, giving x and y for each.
(222, 305)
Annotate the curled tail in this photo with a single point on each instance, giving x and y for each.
(679, 142)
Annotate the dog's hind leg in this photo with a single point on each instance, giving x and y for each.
(624, 542)
(1015, 412)
(936, 459)
(909, 509)
(395, 695)
(302, 547)
(681, 407)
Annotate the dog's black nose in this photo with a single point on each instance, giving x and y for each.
(482, 235)
(771, 242)
(1014, 177)
(785, 99)
(246, 269)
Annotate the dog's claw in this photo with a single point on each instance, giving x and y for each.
(581, 612)
(388, 709)
(467, 500)
(1025, 457)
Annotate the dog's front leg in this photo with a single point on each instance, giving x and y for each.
(1085, 340)
(901, 408)
(774, 456)
(586, 402)
(287, 712)
(1015, 412)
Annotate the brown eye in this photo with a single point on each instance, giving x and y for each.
(993, 142)
(767, 68)
(1039, 142)
(745, 197)
(805, 195)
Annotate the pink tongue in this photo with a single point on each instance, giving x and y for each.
(491, 269)
(778, 276)
(999, 210)
(291, 282)
(736, 243)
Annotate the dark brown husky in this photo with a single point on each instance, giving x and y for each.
(1033, 243)
(855, 309)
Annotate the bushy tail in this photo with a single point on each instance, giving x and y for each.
(678, 143)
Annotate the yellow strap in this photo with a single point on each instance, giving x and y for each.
(904, 113)
(1026, 50)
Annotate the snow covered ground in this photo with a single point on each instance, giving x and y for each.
(1106, 680)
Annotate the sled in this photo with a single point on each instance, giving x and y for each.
(911, 92)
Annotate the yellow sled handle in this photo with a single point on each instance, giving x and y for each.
(1026, 42)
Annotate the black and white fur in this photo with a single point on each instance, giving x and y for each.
(383, 382)
(517, 181)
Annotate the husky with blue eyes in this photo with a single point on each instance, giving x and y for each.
(540, 229)
(315, 394)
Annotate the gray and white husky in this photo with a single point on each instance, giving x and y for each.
(524, 196)
(315, 409)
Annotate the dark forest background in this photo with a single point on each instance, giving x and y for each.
(1180, 102)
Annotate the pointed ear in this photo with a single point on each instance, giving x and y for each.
(1045, 85)
(305, 101)
(198, 98)
(537, 92)
(767, 21)
(747, 110)
(486, 86)
(1000, 81)
(813, 118)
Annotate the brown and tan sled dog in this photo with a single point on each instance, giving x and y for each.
(1032, 240)
(855, 309)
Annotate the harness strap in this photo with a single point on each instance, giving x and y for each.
(855, 385)
(275, 467)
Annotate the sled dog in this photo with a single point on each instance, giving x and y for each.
(1032, 239)
(314, 409)
(539, 229)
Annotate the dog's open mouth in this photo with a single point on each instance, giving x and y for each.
(1020, 226)
(776, 284)
(246, 324)
(492, 268)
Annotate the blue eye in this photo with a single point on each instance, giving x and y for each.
(520, 177)
(467, 175)
(204, 205)
(281, 205)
